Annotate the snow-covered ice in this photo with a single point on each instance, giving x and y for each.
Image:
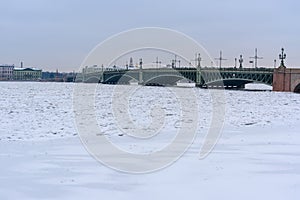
(41, 155)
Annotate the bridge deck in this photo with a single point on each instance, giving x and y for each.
(169, 76)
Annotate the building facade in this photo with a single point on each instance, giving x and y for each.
(6, 72)
(27, 74)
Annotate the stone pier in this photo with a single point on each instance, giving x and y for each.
(286, 80)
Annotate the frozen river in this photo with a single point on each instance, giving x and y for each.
(256, 157)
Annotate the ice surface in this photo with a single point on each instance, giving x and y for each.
(41, 156)
(31, 111)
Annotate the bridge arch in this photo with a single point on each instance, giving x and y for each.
(236, 78)
(165, 79)
(237, 82)
(92, 79)
(297, 88)
(120, 78)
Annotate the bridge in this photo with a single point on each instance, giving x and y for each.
(203, 77)
(282, 79)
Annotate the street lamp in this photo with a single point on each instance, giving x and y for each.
(282, 57)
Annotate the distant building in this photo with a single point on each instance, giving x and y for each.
(6, 72)
(50, 76)
(27, 74)
(92, 69)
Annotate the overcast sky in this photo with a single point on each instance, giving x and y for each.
(52, 34)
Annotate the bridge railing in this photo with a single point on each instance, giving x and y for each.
(264, 69)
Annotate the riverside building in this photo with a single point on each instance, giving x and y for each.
(6, 72)
(27, 74)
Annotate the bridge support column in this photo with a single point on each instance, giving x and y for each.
(282, 80)
(198, 78)
(286, 79)
(141, 77)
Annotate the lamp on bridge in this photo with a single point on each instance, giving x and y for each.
(235, 61)
(141, 63)
(197, 60)
(241, 60)
(282, 57)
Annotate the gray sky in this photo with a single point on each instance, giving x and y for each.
(52, 34)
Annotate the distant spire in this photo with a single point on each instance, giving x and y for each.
(197, 60)
(131, 62)
(175, 61)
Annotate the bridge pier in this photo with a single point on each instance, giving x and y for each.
(286, 80)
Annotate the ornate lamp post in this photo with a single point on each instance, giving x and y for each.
(282, 57)
(241, 60)
(235, 61)
(199, 59)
